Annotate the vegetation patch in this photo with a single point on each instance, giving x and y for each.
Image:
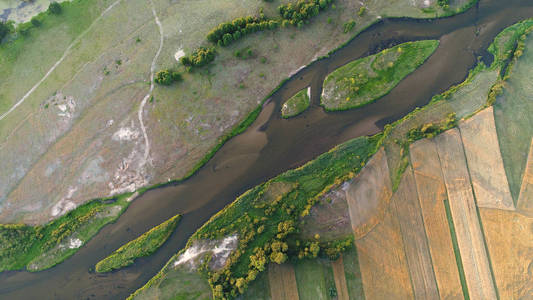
(315, 279)
(367, 79)
(144, 245)
(41, 247)
(267, 229)
(296, 105)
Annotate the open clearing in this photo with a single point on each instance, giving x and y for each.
(369, 194)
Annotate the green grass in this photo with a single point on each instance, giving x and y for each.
(365, 80)
(296, 105)
(352, 273)
(41, 247)
(315, 279)
(144, 245)
(513, 109)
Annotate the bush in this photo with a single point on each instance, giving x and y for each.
(200, 57)
(361, 11)
(348, 26)
(297, 14)
(54, 8)
(35, 22)
(167, 77)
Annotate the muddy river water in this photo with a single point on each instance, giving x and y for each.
(272, 145)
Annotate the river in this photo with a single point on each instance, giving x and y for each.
(272, 145)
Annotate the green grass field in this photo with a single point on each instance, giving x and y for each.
(296, 105)
(365, 80)
(315, 279)
(513, 112)
(144, 245)
(353, 274)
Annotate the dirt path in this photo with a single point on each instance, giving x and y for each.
(67, 52)
(152, 70)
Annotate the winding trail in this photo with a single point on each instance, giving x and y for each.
(152, 70)
(67, 52)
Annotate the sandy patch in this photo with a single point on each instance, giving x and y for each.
(62, 207)
(219, 250)
(74, 243)
(179, 55)
(126, 134)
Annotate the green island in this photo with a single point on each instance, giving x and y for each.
(268, 227)
(144, 245)
(365, 80)
(296, 104)
(37, 248)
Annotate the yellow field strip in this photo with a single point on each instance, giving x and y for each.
(405, 200)
(510, 245)
(432, 194)
(382, 262)
(464, 213)
(282, 280)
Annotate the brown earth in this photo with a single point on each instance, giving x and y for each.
(282, 280)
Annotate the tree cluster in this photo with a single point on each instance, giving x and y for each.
(299, 13)
(226, 33)
(55, 8)
(199, 58)
(430, 130)
(444, 3)
(167, 77)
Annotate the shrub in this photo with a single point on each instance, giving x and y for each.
(4, 30)
(167, 77)
(200, 57)
(348, 26)
(361, 11)
(54, 8)
(35, 22)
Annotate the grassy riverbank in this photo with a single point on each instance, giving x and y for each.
(144, 245)
(365, 80)
(40, 247)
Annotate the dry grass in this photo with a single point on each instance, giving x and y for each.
(464, 213)
(485, 161)
(407, 208)
(383, 263)
(282, 281)
(340, 279)
(432, 194)
(510, 245)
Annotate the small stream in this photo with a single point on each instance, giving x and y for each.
(273, 145)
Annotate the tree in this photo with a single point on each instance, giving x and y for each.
(54, 8)
(35, 22)
(4, 30)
